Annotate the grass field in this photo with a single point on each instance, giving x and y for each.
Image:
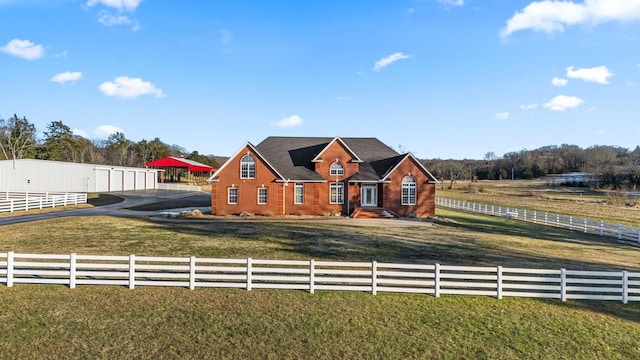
(113, 322)
(608, 206)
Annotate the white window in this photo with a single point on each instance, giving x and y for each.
(232, 195)
(336, 193)
(247, 167)
(408, 190)
(299, 193)
(336, 169)
(262, 196)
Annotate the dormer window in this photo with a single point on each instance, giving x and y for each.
(247, 167)
(336, 169)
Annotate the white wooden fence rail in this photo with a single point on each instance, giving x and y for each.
(191, 272)
(618, 231)
(19, 201)
(178, 187)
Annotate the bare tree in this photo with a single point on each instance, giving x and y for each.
(17, 138)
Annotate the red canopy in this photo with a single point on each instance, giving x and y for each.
(192, 166)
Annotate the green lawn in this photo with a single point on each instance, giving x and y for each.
(42, 321)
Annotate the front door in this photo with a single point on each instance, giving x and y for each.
(369, 195)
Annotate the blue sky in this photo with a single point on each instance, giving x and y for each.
(441, 78)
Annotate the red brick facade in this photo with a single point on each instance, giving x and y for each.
(316, 200)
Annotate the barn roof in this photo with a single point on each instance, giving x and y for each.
(171, 161)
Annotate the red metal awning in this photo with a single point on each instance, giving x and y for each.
(192, 166)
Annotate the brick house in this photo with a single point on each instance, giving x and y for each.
(319, 176)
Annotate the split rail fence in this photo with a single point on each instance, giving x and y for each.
(618, 231)
(19, 201)
(374, 277)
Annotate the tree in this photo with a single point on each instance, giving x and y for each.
(58, 144)
(17, 138)
(119, 150)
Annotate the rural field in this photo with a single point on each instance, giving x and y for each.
(606, 205)
(114, 322)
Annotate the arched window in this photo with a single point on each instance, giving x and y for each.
(408, 190)
(336, 169)
(247, 167)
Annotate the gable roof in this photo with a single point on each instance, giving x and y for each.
(410, 156)
(171, 161)
(355, 157)
(255, 151)
(293, 156)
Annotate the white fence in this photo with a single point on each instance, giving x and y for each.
(179, 187)
(618, 231)
(18, 201)
(374, 277)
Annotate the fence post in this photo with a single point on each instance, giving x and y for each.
(40, 202)
(524, 214)
(619, 232)
(11, 205)
(563, 284)
(625, 287)
(10, 269)
(312, 265)
(192, 272)
(132, 271)
(72, 271)
(545, 218)
(585, 226)
(248, 274)
(436, 280)
(601, 228)
(557, 220)
(535, 216)
(499, 282)
(570, 222)
(374, 275)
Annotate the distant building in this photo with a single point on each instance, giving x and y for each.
(57, 176)
(571, 179)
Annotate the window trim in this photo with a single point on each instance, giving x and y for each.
(265, 196)
(229, 196)
(339, 193)
(247, 168)
(334, 171)
(409, 185)
(296, 187)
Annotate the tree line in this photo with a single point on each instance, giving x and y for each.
(19, 140)
(607, 166)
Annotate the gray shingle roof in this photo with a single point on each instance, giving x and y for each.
(292, 156)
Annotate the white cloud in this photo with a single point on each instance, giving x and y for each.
(129, 88)
(563, 102)
(106, 130)
(67, 76)
(551, 15)
(598, 74)
(111, 20)
(290, 121)
(529, 106)
(502, 115)
(121, 5)
(630, 84)
(78, 132)
(452, 2)
(62, 55)
(384, 62)
(23, 49)
(556, 81)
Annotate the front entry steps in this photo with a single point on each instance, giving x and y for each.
(372, 213)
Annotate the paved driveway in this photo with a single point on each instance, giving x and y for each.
(131, 199)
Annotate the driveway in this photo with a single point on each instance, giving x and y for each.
(131, 199)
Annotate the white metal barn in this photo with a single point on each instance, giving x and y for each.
(57, 176)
